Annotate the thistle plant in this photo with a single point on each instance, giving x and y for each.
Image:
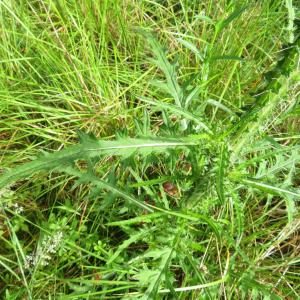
(185, 185)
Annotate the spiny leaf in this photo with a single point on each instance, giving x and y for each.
(179, 112)
(272, 153)
(139, 219)
(197, 218)
(86, 137)
(91, 178)
(168, 69)
(90, 148)
(258, 115)
(151, 291)
(291, 19)
(192, 95)
(145, 276)
(239, 217)
(270, 188)
(191, 47)
(220, 106)
(133, 238)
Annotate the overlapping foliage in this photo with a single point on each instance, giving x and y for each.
(196, 198)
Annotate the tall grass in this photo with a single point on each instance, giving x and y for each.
(185, 182)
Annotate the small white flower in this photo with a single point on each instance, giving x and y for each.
(42, 256)
(17, 208)
(29, 261)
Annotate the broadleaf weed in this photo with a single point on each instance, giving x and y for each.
(188, 186)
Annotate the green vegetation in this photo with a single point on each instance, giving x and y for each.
(149, 149)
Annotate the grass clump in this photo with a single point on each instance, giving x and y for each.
(150, 150)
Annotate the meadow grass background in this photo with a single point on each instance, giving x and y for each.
(226, 218)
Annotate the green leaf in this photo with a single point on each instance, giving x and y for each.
(168, 69)
(269, 188)
(91, 178)
(140, 219)
(152, 289)
(220, 106)
(291, 19)
(224, 23)
(179, 112)
(226, 57)
(133, 238)
(222, 162)
(146, 276)
(191, 96)
(191, 47)
(90, 148)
